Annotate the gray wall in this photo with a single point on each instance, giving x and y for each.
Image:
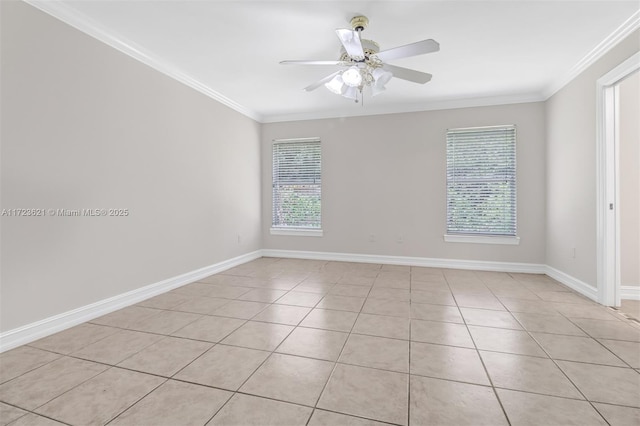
(571, 167)
(84, 126)
(629, 103)
(385, 175)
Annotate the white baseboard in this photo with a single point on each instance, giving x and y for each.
(30, 332)
(629, 292)
(36, 330)
(477, 265)
(573, 283)
(531, 268)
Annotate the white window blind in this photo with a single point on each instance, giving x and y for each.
(481, 181)
(297, 185)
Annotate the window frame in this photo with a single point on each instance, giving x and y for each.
(293, 230)
(482, 238)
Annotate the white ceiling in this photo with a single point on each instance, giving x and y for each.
(491, 51)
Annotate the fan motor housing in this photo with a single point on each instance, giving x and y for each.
(370, 48)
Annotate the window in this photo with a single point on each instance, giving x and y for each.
(481, 185)
(297, 187)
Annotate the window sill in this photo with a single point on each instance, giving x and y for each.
(482, 239)
(300, 232)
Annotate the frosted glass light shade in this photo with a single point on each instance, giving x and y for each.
(336, 85)
(381, 77)
(350, 92)
(376, 90)
(352, 77)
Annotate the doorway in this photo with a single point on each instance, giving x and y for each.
(609, 219)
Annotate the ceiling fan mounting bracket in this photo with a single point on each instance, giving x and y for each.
(359, 23)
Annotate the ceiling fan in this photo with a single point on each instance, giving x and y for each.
(364, 66)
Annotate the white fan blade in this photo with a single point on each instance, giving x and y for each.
(351, 41)
(407, 74)
(319, 83)
(311, 62)
(413, 49)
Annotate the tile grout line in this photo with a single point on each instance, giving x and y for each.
(558, 366)
(201, 355)
(410, 346)
(356, 320)
(136, 402)
(605, 347)
(109, 367)
(308, 357)
(33, 369)
(351, 332)
(237, 391)
(477, 351)
(289, 402)
(335, 363)
(27, 411)
(352, 328)
(553, 360)
(567, 377)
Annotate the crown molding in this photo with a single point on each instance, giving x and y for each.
(81, 22)
(619, 34)
(408, 108)
(72, 17)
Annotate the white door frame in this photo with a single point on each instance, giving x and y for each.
(607, 196)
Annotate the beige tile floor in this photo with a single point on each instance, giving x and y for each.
(631, 308)
(298, 342)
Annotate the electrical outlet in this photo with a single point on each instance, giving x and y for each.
(573, 252)
(400, 239)
(372, 238)
(239, 239)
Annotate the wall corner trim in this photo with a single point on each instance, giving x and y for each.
(36, 330)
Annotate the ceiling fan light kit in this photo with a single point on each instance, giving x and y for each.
(352, 77)
(336, 85)
(365, 64)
